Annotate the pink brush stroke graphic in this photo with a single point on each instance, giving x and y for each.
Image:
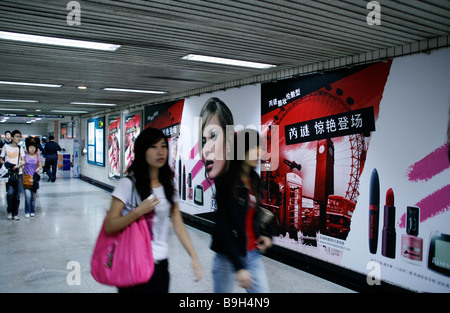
(431, 165)
(197, 167)
(436, 203)
(439, 201)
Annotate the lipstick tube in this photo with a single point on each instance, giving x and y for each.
(389, 234)
(374, 211)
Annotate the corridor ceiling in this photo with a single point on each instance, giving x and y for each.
(154, 35)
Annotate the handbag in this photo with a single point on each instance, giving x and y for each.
(13, 176)
(4, 174)
(27, 181)
(125, 258)
(265, 216)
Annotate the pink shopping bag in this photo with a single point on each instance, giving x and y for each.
(125, 258)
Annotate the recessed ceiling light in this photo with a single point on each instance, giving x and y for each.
(9, 109)
(58, 41)
(93, 103)
(17, 100)
(224, 61)
(82, 87)
(64, 111)
(135, 90)
(30, 84)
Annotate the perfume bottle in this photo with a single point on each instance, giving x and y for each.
(412, 245)
(190, 190)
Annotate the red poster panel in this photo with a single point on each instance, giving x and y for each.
(132, 130)
(325, 124)
(114, 147)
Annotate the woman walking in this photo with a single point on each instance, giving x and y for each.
(152, 174)
(238, 236)
(33, 165)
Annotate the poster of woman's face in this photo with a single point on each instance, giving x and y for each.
(205, 145)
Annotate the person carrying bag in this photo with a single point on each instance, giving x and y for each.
(30, 182)
(125, 258)
(148, 200)
(12, 156)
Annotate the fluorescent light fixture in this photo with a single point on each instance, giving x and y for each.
(30, 84)
(64, 111)
(17, 100)
(9, 109)
(135, 90)
(58, 41)
(224, 61)
(93, 103)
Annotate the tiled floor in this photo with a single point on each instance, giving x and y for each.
(44, 253)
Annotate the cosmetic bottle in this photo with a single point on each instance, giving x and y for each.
(412, 245)
(190, 190)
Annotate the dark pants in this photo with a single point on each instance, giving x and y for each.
(51, 162)
(13, 196)
(159, 283)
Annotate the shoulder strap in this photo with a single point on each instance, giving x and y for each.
(134, 190)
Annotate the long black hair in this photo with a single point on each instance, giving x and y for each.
(244, 140)
(140, 168)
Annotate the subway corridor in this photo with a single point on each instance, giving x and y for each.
(50, 253)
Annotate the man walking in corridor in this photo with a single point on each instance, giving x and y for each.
(51, 161)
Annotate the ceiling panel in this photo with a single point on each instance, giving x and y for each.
(155, 34)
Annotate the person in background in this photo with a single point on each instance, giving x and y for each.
(238, 237)
(13, 156)
(8, 137)
(33, 165)
(44, 141)
(37, 141)
(152, 174)
(51, 158)
(7, 140)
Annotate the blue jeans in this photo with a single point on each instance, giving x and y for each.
(30, 201)
(224, 274)
(13, 196)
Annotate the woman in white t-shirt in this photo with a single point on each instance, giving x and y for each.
(152, 174)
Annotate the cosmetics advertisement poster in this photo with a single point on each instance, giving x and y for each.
(358, 141)
(114, 147)
(166, 117)
(132, 130)
(196, 188)
(409, 154)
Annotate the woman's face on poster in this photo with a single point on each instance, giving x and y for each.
(214, 148)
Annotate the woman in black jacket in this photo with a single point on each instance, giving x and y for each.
(237, 237)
